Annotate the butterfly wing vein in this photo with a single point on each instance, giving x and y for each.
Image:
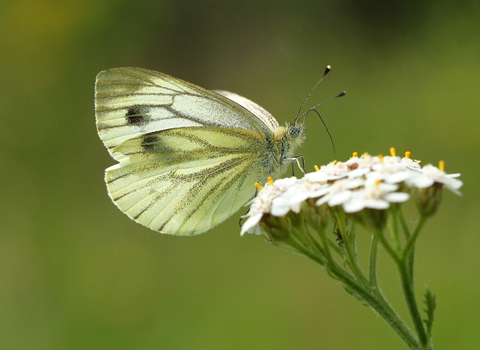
(190, 188)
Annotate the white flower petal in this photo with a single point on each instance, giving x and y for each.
(320, 192)
(396, 197)
(358, 172)
(388, 187)
(377, 204)
(280, 206)
(354, 183)
(322, 200)
(353, 206)
(255, 230)
(452, 183)
(251, 222)
(295, 207)
(398, 177)
(340, 198)
(420, 182)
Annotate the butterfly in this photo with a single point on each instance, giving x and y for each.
(188, 157)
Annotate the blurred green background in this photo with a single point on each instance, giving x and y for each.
(75, 273)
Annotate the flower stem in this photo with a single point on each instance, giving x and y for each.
(310, 241)
(387, 245)
(392, 225)
(372, 268)
(409, 250)
(350, 242)
(298, 246)
(403, 221)
(335, 247)
(411, 241)
(373, 299)
(409, 294)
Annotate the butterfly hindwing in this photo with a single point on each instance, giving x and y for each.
(186, 180)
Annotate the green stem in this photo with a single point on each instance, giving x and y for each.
(392, 224)
(404, 267)
(311, 241)
(376, 303)
(336, 248)
(409, 294)
(387, 246)
(372, 268)
(410, 262)
(411, 241)
(291, 241)
(409, 250)
(373, 275)
(406, 231)
(350, 243)
(404, 223)
(295, 232)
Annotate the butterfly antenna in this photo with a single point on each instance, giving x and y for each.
(343, 93)
(325, 125)
(311, 91)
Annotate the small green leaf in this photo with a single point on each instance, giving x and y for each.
(355, 295)
(431, 304)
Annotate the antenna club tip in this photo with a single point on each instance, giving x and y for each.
(326, 71)
(329, 67)
(343, 93)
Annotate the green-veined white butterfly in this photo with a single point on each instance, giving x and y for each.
(188, 157)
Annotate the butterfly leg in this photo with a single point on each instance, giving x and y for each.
(301, 167)
(269, 164)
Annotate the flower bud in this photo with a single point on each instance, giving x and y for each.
(316, 216)
(275, 227)
(375, 219)
(429, 198)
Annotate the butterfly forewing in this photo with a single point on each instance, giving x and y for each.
(131, 101)
(260, 112)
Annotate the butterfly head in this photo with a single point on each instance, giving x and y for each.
(294, 136)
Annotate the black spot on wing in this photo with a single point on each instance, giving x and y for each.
(149, 142)
(137, 115)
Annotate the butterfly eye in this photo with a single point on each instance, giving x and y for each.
(293, 131)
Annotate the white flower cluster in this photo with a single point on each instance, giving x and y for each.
(359, 183)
